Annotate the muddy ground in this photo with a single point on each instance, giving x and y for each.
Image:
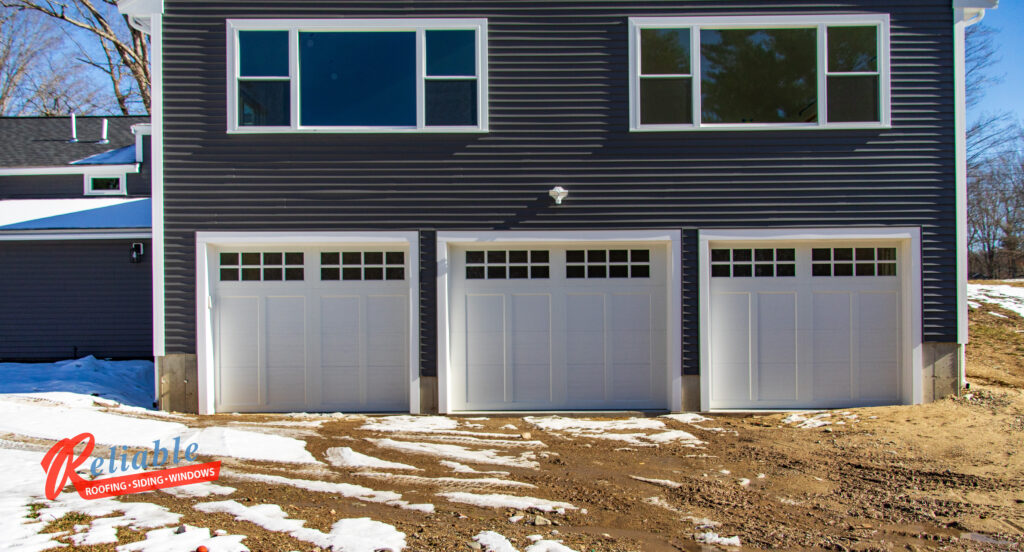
(943, 476)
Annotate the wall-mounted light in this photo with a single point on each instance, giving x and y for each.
(558, 193)
(136, 252)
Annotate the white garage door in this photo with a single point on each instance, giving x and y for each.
(310, 328)
(557, 327)
(804, 325)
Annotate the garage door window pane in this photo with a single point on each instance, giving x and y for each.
(229, 274)
(764, 271)
(373, 273)
(843, 269)
(785, 270)
(742, 271)
(886, 269)
(272, 274)
(251, 274)
(330, 273)
(721, 271)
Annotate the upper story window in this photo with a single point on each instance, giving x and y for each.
(422, 75)
(105, 184)
(759, 72)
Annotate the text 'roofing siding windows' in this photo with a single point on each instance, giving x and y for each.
(348, 78)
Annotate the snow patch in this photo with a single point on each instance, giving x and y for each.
(479, 482)
(455, 452)
(689, 418)
(802, 421)
(344, 457)
(494, 542)
(659, 482)
(507, 501)
(347, 490)
(713, 538)
(462, 468)
(579, 425)
(171, 540)
(1010, 298)
(350, 535)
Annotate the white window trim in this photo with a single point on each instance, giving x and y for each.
(206, 244)
(881, 20)
(908, 242)
(122, 189)
(294, 26)
(674, 376)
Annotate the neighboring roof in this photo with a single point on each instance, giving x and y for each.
(119, 156)
(43, 141)
(82, 213)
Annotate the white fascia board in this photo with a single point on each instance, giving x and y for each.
(976, 4)
(88, 170)
(140, 7)
(67, 235)
(140, 130)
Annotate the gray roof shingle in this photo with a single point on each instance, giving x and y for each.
(43, 141)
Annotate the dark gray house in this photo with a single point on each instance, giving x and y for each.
(75, 213)
(562, 205)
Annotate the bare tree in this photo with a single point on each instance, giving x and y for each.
(124, 50)
(30, 80)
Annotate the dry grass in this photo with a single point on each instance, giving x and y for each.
(995, 353)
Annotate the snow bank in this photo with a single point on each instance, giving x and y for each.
(344, 457)
(58, 416)
(507, 501)
(127, 382)
(350, 535)
(689, 418)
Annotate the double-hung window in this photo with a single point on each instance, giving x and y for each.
(759, 72)
(401, 75)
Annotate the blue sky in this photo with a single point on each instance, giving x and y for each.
(1008, 95)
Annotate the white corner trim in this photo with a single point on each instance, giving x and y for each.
(909, 239)
(156, 154)
(672, 237)
(140, 130)
(207, 241)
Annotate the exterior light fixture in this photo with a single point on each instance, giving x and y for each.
(558, 193)
(135, 253)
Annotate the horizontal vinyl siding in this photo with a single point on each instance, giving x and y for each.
(559, 116)
(42, 187)
(59, 300)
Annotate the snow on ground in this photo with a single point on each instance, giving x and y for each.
(689, 418)
(1008, 297)
(347, 490)
(462, 468)
(659, 482)
(507, 501)
(473, 440)
(458, 453)
(496, 542)
(802, 420)
(476, 483)
(198, 490)
(350, 535)
(127, 382)
(172, 539)
(425, 425)
(344, 457)
(605, 429)
(55, 416)
(713, 538)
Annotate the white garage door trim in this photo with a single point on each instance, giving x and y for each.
(673, 238)
(907, 239)
(206, 242)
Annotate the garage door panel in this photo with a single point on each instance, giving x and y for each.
(329, 334)
(485, 348)
(731, 373)
(530, 350)
(286, 350)
(777, 346)
(238, 333)
(585, 351)
(630, 347)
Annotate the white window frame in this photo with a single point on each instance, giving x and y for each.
(295, 26)
(821, 22)
(121, 190)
